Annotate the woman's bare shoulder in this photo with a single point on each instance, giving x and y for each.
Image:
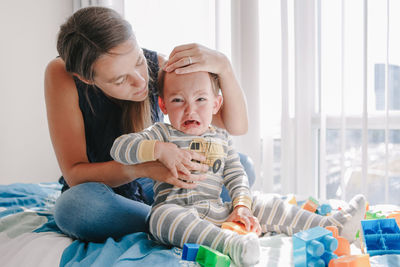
(56, 76)
(56, 67)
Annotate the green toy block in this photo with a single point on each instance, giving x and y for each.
(374, 215)
(208, 257)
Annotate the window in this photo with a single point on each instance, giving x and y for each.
(348, 112)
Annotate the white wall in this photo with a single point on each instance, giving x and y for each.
(28, 32)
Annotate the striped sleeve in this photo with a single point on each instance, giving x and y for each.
(135, 148)
(235, 178)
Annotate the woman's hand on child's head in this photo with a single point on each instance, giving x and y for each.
(179, 161)
(244, 215)
(195, 57)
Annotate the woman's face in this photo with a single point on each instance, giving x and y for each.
(122, 73)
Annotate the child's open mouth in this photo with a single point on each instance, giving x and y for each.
(191, 123)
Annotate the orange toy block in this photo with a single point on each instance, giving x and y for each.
(236, 227)
(396, 216)
(311, 205)
(351, 261)
(343, 243)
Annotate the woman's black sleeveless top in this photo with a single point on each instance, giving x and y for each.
(102, 119)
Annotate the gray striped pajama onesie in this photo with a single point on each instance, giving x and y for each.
(181, 216)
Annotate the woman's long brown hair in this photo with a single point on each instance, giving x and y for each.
(83, 38)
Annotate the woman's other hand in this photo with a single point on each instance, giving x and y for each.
(177, 160)
(158, 172)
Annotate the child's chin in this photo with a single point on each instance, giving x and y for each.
(193, 130)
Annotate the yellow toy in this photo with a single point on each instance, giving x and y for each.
(213, 152)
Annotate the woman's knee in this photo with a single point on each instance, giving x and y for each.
(93, 212)
(75, 208)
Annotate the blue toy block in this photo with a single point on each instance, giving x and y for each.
(381, 236)
(324, 209)
(208, 257)
(314, 247)
(189, 251)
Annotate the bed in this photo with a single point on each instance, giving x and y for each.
(30, 237)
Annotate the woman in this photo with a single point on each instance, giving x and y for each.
(103, 85)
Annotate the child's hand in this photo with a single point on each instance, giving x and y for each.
(243, 215)
(178, 160)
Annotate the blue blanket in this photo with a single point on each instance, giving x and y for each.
(40, 199)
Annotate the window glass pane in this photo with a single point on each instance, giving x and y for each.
(352, 165)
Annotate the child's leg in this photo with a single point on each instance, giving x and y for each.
(277, 216)
(175, 225)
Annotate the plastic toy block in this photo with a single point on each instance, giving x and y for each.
(236, 227)
(189, 251)
(396, 216)
(369, 215)
(208, 257)
(351, 261)
(311, 205)
(381, 236)
(291, 199)
(343, 243)
(324, 209)
(314, 247)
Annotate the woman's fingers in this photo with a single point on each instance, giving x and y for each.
(186, 181)
(197, 156)
(186, 48)
(181, 65)
(184, 59)
(181, 168)
(183, 184)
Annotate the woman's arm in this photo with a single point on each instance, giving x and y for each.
(233, 114)
(67, 133)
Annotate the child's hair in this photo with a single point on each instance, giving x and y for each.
(89, 33)
(213, 78)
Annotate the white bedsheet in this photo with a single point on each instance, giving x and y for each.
(32, 249)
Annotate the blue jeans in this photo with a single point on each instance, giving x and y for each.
(93, 212)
